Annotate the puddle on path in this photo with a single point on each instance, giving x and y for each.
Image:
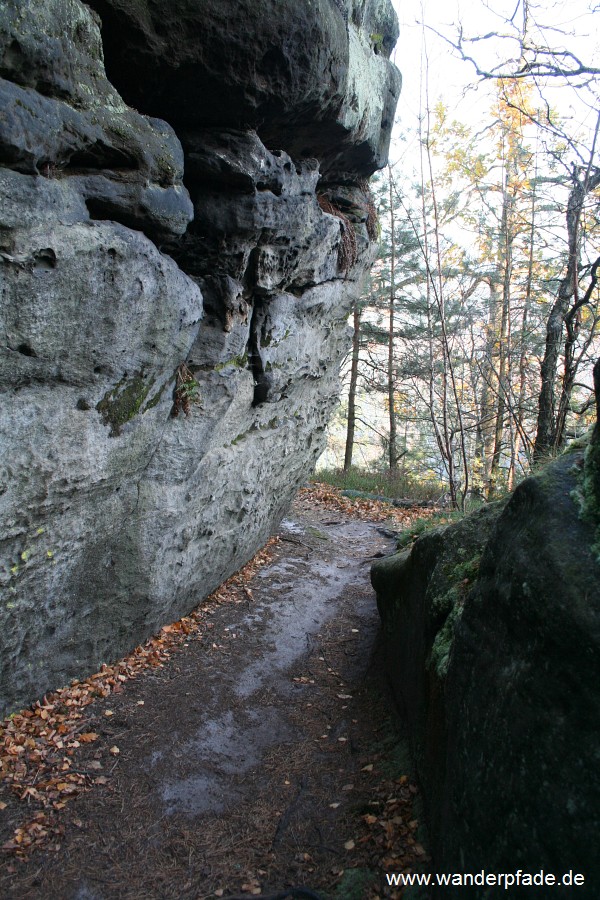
(242, 759)
(310, 601)
(228, 745)
(295, 597)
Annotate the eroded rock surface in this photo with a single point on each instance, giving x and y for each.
(132, 246)
(311, 78)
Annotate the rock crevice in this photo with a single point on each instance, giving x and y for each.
(132, 243)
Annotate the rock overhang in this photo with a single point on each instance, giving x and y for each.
(130, 246)
(313, 79)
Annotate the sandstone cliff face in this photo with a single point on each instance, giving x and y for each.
(131, 245)
(493, 638)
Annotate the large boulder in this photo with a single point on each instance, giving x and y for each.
(493, 631)
(171, 350)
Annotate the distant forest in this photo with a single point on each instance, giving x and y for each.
(475, 338)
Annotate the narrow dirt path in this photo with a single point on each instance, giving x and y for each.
(263, 754)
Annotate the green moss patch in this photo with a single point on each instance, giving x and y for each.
(239, 362)
(354, 884)
(123, 402)
(590, 487)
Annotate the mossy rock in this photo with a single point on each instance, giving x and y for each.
(493, 645)
(590, 487)
(354, 884)
(122, 403)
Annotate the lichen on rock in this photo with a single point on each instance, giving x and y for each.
(184, 231)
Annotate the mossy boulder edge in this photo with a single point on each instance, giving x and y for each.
(499, 673)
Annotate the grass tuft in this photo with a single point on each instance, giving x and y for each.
(401, 486)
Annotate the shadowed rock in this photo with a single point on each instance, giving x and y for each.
(493, 633)
(313, 79)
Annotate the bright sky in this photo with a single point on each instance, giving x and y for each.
(448, 75)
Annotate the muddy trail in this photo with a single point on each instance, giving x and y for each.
(261, 751)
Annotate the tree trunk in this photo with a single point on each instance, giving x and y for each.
(352, 388)
(572, 325)
(550, 425)
(505, 270)
(523, 366)
(392, 449)
(486, 424)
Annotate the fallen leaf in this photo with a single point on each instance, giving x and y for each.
(88, 737)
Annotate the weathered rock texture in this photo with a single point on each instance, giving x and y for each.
(127, 250)
(493, 636)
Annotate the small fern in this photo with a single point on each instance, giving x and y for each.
(186, 392)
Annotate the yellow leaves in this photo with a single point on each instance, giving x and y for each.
(38, 745)
(586, 315)
(32, 833)
(325, 496)
(65, 786)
